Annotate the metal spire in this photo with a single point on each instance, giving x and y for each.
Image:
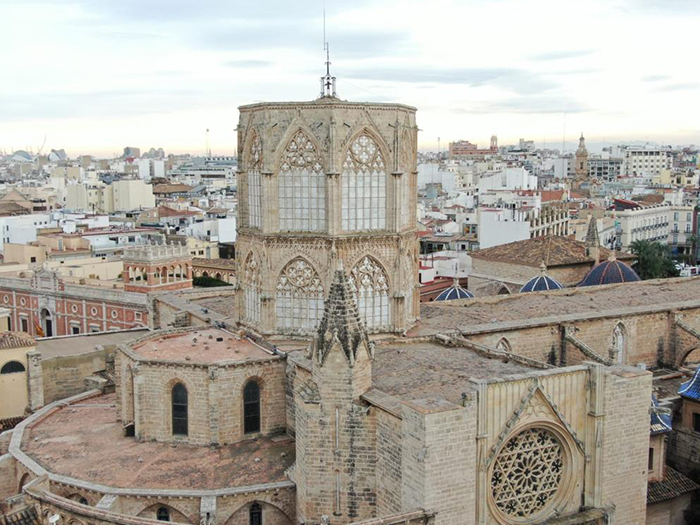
(327, 81)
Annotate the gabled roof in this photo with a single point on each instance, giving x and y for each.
(15, 340)
(553, 250)
(673, 485)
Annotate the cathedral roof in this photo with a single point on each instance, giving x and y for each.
(541, 283)
(553, 250)
(611, 271)
(660, 420)
(691, 388)
(454, 292)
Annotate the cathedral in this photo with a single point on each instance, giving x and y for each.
(329, 397)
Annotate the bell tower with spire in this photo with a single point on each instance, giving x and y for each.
(581, 166)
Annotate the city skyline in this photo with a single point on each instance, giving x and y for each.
(96, 77)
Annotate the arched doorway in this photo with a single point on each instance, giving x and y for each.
(46, 322)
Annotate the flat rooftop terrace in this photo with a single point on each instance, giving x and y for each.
(85, 441)
(493, 312)
(85, 343)
(432, 371)
(209, 345)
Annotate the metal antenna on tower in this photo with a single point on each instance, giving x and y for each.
(327, 81)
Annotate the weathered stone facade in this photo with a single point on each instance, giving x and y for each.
(320, 182)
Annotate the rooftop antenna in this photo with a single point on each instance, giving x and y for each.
(208, 151)
(327, 81)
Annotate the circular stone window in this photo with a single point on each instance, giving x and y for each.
(113, 313)
(74, 308)
(6, 299)
(527, 473)
(93, 310)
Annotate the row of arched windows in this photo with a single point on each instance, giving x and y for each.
(299, 294)
(302, 186)
(180, 413)
(254, 514)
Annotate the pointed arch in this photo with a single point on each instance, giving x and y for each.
(618, 344)
(299, 297)
(252, 286)
(503, 345)
(302, 185)
(364, 184)
(254, 165)
(370, 284)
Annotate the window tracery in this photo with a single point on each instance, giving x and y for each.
(255, 182)
(369, 282)
(527, 473)
(299, 303)
(364, 186)
(252, 288)
(302, 186)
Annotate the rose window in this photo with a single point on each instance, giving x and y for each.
(527, 473)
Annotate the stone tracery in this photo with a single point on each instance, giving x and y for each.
(299, 300)
(527, 473)
(364, 186)
(369, 282)
(302, 188)
(252, 288)
(255, 182)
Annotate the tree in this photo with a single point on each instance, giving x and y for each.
(653, 260)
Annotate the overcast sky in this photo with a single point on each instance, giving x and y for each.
(97, 75)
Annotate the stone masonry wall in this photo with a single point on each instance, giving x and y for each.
(439, 460)
(64, 376)
(389, 476)
(625, 443)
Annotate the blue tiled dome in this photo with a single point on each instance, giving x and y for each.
(541, 283)
(660, 422)
(454, 292)
(610, 272)
(691, 389)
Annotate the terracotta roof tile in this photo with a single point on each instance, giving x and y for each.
(15, 340)
(673, 485)
(554, 250)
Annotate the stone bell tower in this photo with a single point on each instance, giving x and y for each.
(321, 182)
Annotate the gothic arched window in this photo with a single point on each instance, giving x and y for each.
(503, 345)
(251, 407)
(163, 514)
(179, 410)
(371, 286)
(255, 182)
(364, 186)
(255, 514)
(302, 187)
(12, 367)
(252, 288)
(619, 344)
(299, 301)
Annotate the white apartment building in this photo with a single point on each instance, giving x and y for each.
(644, 161)
(21, 229)
(650, 223)
(508, 179)
(121, 195)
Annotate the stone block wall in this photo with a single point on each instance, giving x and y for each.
(439, 460)
(64, 376)
(389, 476)
(683, 450)
(8, 483)
(625, 443)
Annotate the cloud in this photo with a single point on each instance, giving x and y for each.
(533, 104)
(655, 78)
(562, 55)
(680, 86)
(516, 80)
(248, 63)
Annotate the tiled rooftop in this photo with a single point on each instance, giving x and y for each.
(554, 250)
(85, 441)
(673, 485)
(486, 312)
(429, 370)
(200, 346)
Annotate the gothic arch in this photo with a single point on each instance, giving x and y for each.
(295, 128)
(240, 515)
(301, 184)
(299, 297)
(150, 509)
(365, 167)
(23, 481)
(503, 345)
(618, 344)
(252, 286)
(369, 282)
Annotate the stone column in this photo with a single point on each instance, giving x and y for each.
(35, 381)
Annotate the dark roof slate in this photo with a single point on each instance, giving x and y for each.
(673, 485)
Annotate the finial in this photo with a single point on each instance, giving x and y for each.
(611, 256)
(327, 81)
(543, 268)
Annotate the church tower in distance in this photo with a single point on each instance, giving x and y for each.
(321, 183)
